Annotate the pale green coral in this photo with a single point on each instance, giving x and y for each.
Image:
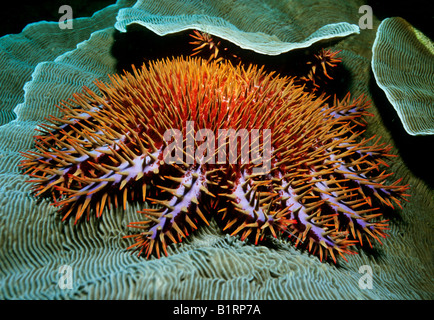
(403, 65)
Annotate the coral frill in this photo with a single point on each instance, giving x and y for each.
(317, 181)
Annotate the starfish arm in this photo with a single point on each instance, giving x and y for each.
(80, 169)
(174, 216)
(252, 210)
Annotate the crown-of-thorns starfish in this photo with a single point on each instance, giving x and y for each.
(324, 187)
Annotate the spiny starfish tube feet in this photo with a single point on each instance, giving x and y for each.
(206, 45)
(193, 139)
(319, 69)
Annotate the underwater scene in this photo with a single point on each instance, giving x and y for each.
(217, 150)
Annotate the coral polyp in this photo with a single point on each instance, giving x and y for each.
(195, 140)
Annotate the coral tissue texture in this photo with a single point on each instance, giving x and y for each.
(403, 65)
(268, 27)
(37, 43)
(36, 245)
